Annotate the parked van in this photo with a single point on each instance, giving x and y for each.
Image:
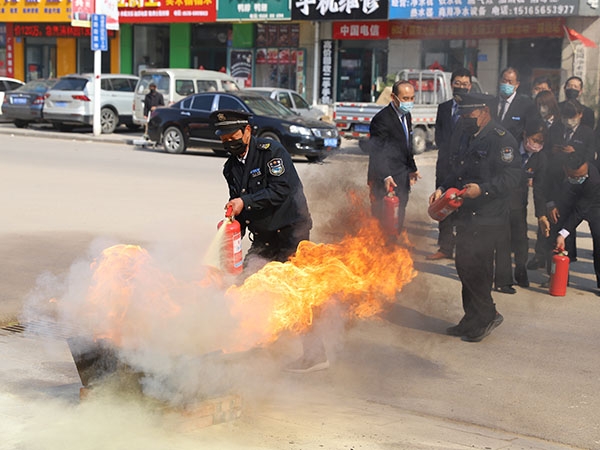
(175, 84)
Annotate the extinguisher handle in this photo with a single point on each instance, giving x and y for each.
(229, 211)
(461, 192)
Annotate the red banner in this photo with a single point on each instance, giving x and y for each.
(476, 29)
(360, 30)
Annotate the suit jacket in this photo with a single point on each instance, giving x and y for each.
(519, 110)
(588, 118)
(580, 201)
(390, 149)
(584, 143)
(444, 127)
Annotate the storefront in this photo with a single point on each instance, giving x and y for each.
(38, 41)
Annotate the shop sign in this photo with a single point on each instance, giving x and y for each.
(159, 11)
(360, 30)
(339, 9)
(253, 10)
(9, 68)
(477, 29)
(463, 9)
(326, 75)
(19, 11)
(241, 67)
(52, 30)
(84, 9)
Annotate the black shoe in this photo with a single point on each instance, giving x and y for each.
(506, 289)
(457, 330)
(479, 334)
(535, 263)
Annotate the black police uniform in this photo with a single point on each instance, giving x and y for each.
(490, 159)
(275, 208)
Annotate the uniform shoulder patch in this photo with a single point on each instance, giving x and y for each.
(500, 131)
(507, 154)
(276, 167)
(263, 146)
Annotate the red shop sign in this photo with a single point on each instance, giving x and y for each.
(360, 30)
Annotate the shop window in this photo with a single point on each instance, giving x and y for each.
(150, 46)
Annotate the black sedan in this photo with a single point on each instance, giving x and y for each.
(186, 124)
(26, 103)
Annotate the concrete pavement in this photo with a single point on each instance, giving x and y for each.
(396, 382)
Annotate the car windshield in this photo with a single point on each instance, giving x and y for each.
(70, 84)
(39, 86)
(160, 79)
(267, 107)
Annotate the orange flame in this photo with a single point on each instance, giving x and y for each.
(362, 272)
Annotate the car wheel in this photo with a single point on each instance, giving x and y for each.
(270, 135)
(419, 141)
(174, 140)
(21, 123)
(108, 120)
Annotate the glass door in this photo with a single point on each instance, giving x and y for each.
(40, 58)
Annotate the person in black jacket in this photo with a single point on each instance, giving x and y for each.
(267, 198)
(573, 88)
(391, 160)
(581, 201)
(511, 109)
(152, 99)
(445, 124)
(485, 162)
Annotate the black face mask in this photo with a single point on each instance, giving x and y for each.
(459, 91)
(236, 147)
(571, 93)
(470, 126)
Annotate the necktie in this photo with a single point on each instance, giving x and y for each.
(455, 115)
(503, 104)
(568, 135)
(405, 127)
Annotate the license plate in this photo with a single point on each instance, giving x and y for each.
(361, 128)
(19, 101)
(61, 104)
(331, 142)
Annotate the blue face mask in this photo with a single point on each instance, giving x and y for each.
(577, 180)
(406, 107)
(506, 90)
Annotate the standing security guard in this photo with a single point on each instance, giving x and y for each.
(267, 197)
(485, 162)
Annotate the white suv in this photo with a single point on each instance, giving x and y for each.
(69, 103)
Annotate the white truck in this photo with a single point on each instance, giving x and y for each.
(432, 87)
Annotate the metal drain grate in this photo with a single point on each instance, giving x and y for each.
(43, 328)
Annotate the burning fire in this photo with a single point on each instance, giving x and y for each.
(129, 296)
(362, 273)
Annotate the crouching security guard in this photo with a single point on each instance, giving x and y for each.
(267, 198)
(484, 161)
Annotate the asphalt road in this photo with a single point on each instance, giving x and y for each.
(397, 382)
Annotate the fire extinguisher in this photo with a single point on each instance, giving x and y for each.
(559, 276)
(231, 250)
(391, 212)
(449, 202)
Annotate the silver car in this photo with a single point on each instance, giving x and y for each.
(291, 99)
(69, 102)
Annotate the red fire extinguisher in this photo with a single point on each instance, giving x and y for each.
(559, 276)
(391, 212)
(449, 202)
(231, 250)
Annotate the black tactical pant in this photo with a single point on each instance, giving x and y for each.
(475, 267)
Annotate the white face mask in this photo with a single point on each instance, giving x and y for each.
(532, 147)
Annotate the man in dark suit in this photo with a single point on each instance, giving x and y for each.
(581, 201)
(391, 160)
(573, 88)
(445, 124)
(511, 109)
